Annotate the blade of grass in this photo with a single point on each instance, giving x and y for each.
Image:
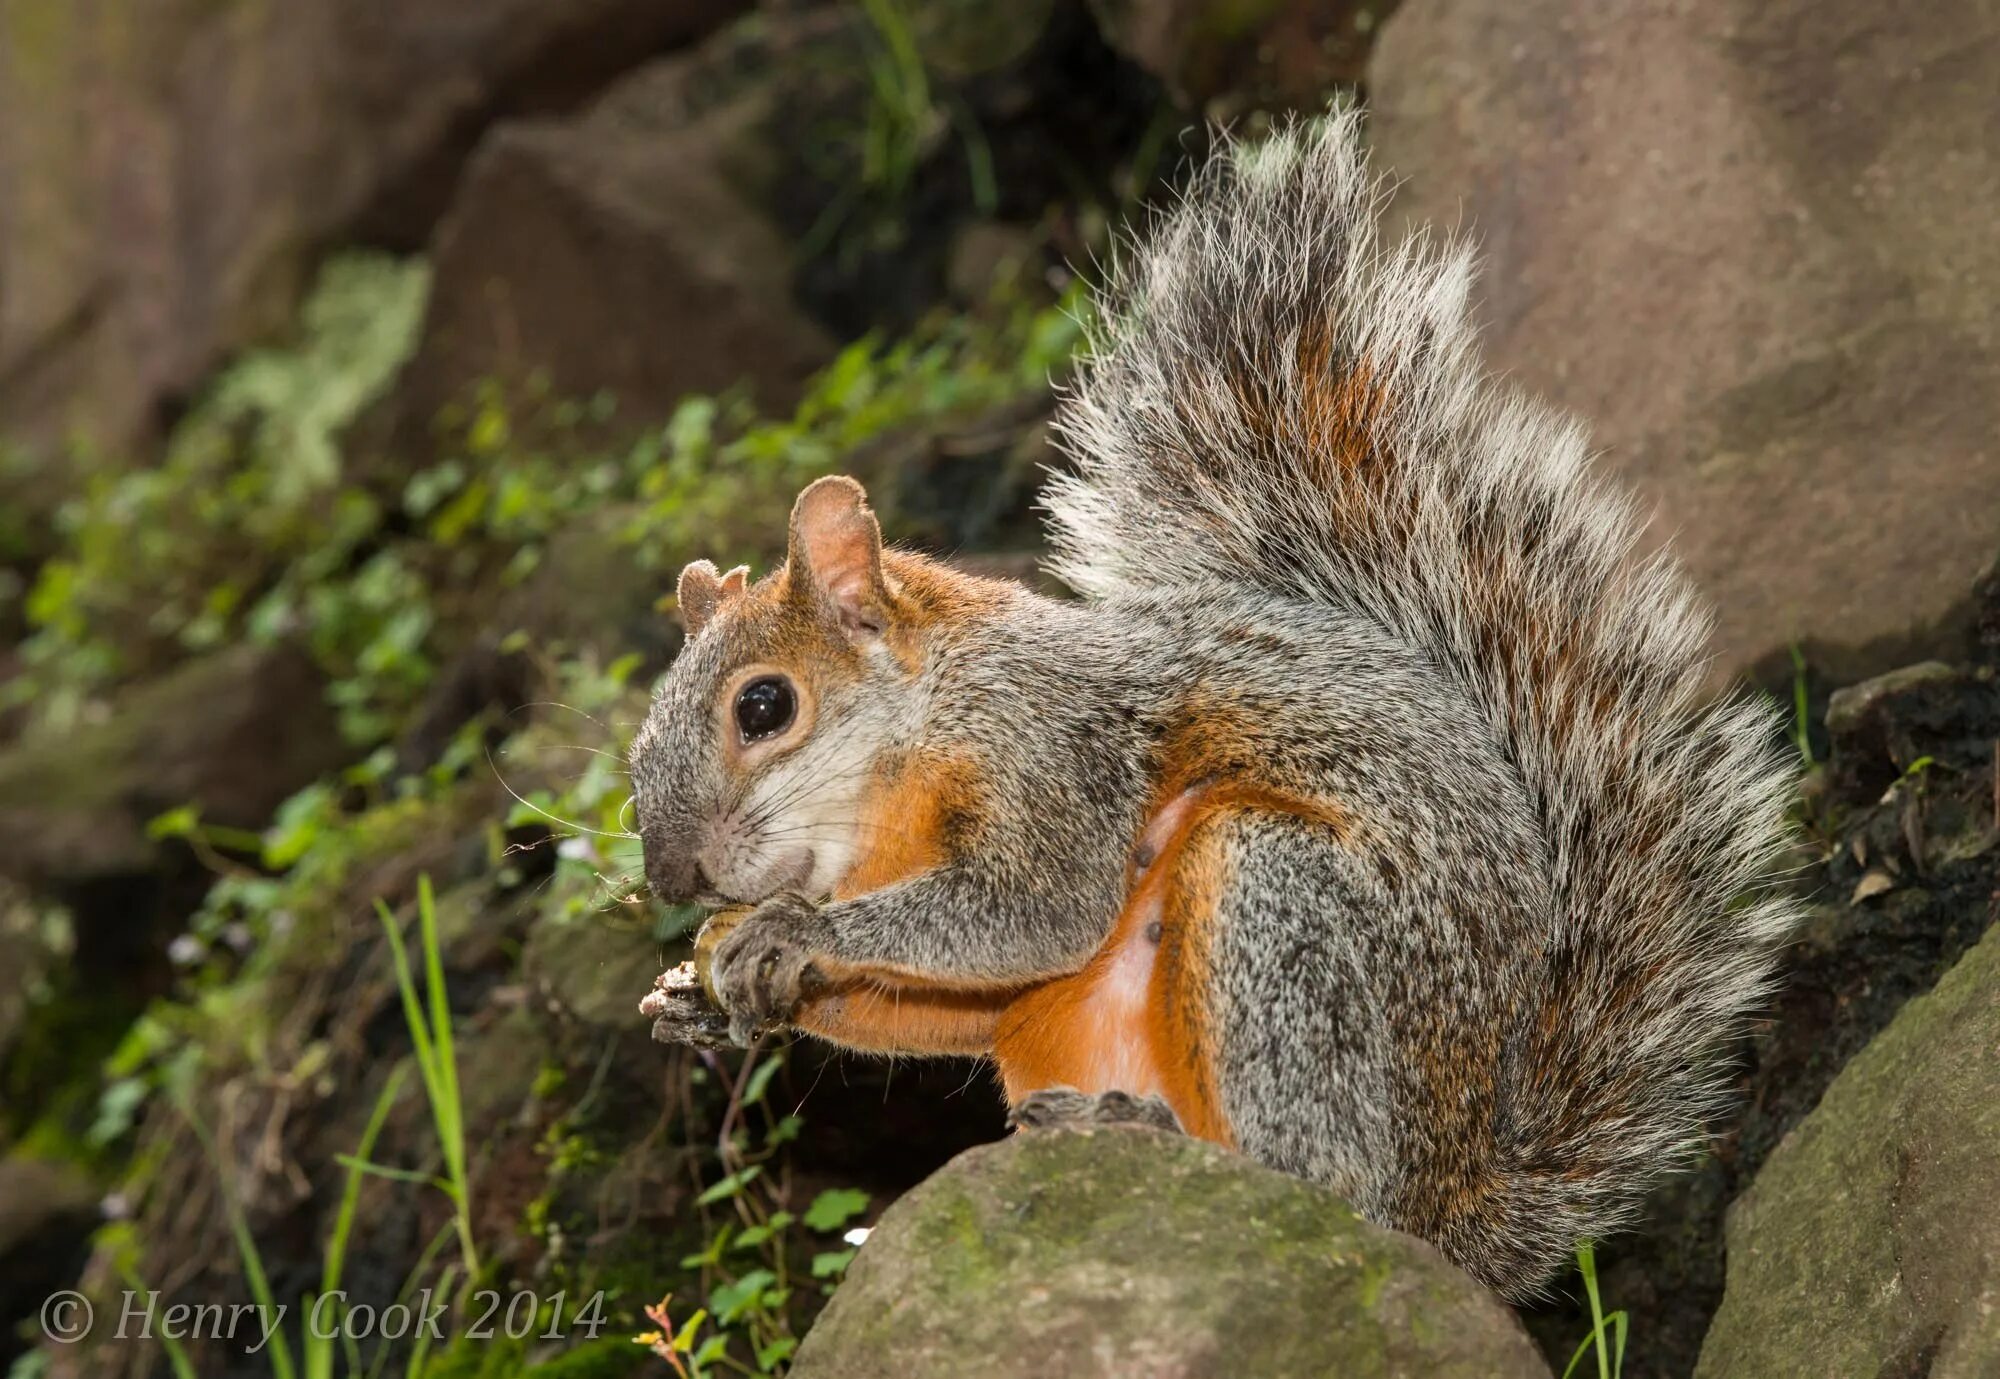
(1617, 1322)
(421, 1349)
(1801, 719)
(318, 1348)
(177, 1358)
(449, 1110)
(394, 1175)
(246, 1248)
(409, 1292)
(350, 1196)
(431, 1037)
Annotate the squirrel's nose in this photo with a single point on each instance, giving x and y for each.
(675, 877)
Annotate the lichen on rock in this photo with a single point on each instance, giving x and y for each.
(1128, 1252)
(1870, 1244)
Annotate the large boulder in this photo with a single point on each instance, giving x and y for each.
(1752, 242)
(232, 734)
(1224, 57)
(1130, 1253)
(169, 171)
(600, 253)
(724, 215)
(1870, 1244)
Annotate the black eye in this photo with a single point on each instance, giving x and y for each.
(764, 707)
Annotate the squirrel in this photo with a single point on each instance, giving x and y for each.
(1366, 812)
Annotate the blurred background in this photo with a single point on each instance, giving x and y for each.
(368, 368)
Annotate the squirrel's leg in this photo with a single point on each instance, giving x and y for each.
(959, 926)
(1124, 1041)
(902, 1018)
(1295, 1031)
(1232, 991)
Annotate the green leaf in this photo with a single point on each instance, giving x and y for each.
(684, 1338)
(730, 1301)
(760, 1081)
(729, 1186)
(832, 1263)
(754, 1236)
(776, 1353)
(174, 823)
(835, 1207)
(713, 1254)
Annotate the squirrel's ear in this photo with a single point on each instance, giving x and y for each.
(835, 555)
(702, 593)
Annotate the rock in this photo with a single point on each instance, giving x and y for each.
(603, 254)
(169, 171)
(1852, 706)
(1124, 1252)
(1226, 57)
(589, 971)
(1869, 1243)
(47, 1212)
(233, 734)
(722, 215)
(1890, 725)
(1752, 244)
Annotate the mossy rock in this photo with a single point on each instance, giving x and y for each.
(232, 734)
(1126, 1252)
(1869, 1243)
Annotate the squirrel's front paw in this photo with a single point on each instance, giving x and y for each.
(763, 967)
(682, 1011)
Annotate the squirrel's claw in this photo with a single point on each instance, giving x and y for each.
(763, 968)
(1065, 1108)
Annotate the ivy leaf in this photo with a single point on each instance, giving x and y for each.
(835, 1207)
(729, 1186)
(754, 1236)
(753, 1091)
(730, 1301)
(832, 1263)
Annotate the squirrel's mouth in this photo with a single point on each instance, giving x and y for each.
(791, 870)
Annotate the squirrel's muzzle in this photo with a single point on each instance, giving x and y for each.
(674, 874)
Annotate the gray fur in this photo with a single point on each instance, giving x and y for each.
(1477, 538)
(1306, 1079)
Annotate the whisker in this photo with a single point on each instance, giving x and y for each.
(525, 802)
(557, 704)
(618, 757)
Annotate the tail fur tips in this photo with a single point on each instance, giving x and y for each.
(1275, 397)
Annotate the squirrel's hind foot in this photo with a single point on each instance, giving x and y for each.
(1065, 1108)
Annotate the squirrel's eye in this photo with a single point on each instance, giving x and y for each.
(764, 707)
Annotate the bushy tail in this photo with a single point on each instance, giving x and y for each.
(1273, 396)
